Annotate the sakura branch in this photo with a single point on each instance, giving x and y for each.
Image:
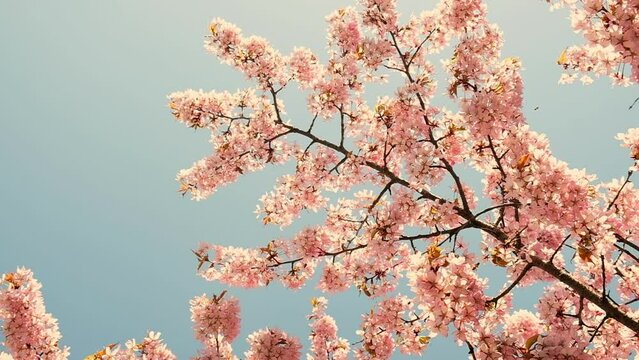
(31, 333)
(610, 31)
(405, 146)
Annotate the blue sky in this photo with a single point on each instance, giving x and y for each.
(89, 153)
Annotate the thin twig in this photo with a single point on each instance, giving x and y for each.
(512, 285)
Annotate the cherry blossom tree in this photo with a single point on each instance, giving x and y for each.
(400, 208)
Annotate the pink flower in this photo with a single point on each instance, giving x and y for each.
(215, 316)
(630, 139)
(272, 344)
(31, 332)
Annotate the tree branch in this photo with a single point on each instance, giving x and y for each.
(512, 285)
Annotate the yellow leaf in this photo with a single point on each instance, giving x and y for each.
(523, 162)
(381, 109)
(498, 89)
(213, 29)
(314, 302)
(454, 128)
(360, 52)
(424, 340)
(531, 341)
(434, 252)
(563, 59)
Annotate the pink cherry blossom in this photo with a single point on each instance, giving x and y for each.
(31, 332)
(215, 316)
(611, 31)
(324, 340)
(271, 344)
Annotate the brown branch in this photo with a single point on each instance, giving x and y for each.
(558, 248)
(611, 310)
(310, 128)
(511, 286)
(471, 350)
(496, 157)
(341, 119)
(630, 172)
(594, 333)
(325, 254)
(434, 234)
(379, 197)
(460, 187)
(626, 252)
(419, 47)
(625, 241)
(491, 208)
(603, 277)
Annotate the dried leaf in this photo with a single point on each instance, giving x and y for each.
(360, 52)
(381, 110)
(584, 253)
(454, 128)
(499, 261)
(11, 279)
(531, 341)
(434, 252)
(523, 162)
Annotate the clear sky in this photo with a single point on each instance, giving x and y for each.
(89, 153)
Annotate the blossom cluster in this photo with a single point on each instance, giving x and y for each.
(391, 222)
(611, 32)
(31, 332)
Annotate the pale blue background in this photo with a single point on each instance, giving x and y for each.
(89, 152)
